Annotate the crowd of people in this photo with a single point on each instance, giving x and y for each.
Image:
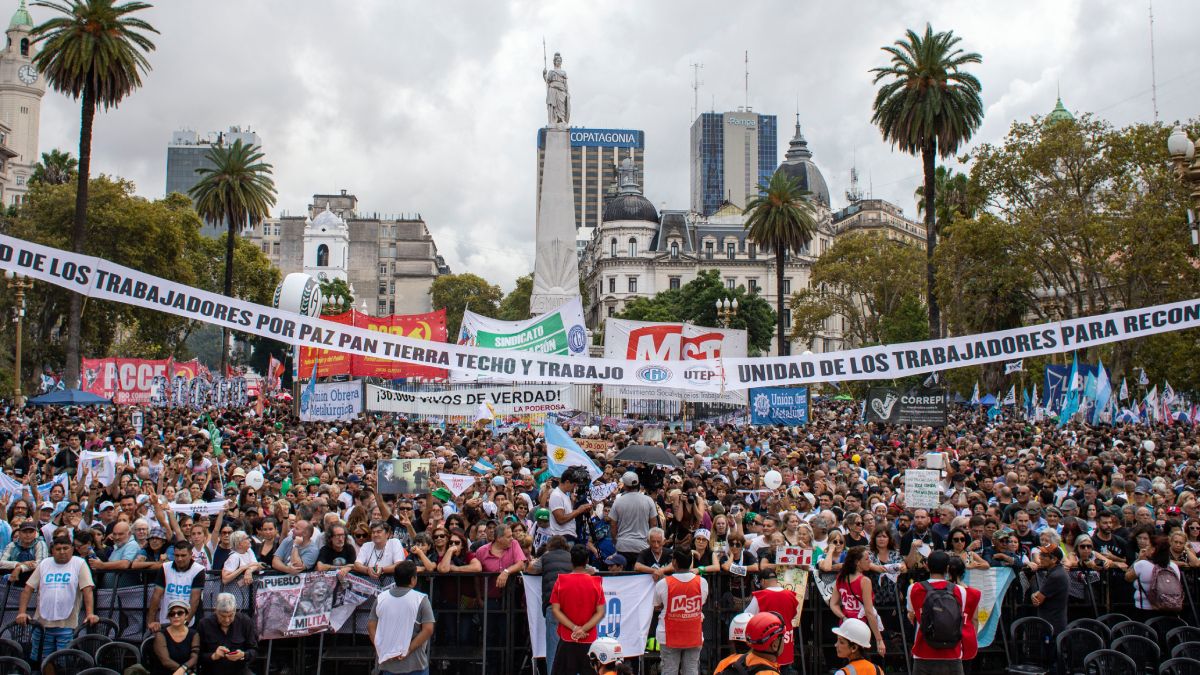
(1045, 501)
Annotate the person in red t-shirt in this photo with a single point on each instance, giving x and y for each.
(926, 659)
(970, 640)
(577, 601)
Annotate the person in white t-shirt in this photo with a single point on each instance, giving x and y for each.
(562, 509)
(62, 581)
(378, 557)
(241, 561)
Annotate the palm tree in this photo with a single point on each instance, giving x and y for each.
(929, 105)
(782, 219)
(235, 189)
(94, 52)
(953, 197)
(56, 168)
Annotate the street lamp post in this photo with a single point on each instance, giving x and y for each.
(726, 311)
(1184, 155)
(18, 283)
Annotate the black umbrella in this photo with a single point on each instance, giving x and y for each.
(648, 454)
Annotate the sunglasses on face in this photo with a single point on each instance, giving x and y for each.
(361, 535)
(958, 539)
(176, 613)
(1083, 546)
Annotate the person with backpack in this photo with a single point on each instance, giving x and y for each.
(937, 608)
(853, 640)
(1158, 584)
(764, 634)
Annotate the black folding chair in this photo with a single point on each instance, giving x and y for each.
(1134, 628)
(98, 670)
(1163, 625)
(89, 642)
(118, 656)
(1109, 662)
(1074, 644)
(1032, 645)
(1177, 636)
(1186, 650)
(69, 661)
(1144, 651)
(1112, 619)
(1180, 667)
(104, 626)
(11, 665)
(1098, 627)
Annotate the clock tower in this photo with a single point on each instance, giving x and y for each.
(21, 91)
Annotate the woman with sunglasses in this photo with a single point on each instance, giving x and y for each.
(1192, 529)
(742, 565)
(959, 540)
(177, 647)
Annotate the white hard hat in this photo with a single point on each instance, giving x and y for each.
(606, 650)
(855, 631)
(737, 627)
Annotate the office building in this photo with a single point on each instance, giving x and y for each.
(390, 261)
(731, 154)
(188, 151)
(595, 154)
(21, 91)
(879, 216)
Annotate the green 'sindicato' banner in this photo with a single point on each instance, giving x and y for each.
(104, 280)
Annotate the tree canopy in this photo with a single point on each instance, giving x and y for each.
(457, 292)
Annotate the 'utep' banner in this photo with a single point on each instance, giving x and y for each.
(431, 326)
(918, 406)
(518, 399)
(779, 406)
(104, 280)
(655, 341)
(629, 605)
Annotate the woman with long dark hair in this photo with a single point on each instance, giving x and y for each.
(853, 596)
(1152, 560)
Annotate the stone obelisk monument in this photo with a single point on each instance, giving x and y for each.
(555, 266)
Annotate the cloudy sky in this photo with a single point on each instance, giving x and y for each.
(434, 107)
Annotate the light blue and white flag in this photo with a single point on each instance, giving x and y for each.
(1014, 367)
(563, 452)
(482, 466)
(1011, 397)
(1124, 395)
(975, 395)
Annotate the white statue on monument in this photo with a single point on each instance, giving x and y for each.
(556, 263)
(558, 101)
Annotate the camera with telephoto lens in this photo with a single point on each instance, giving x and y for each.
(582, 480)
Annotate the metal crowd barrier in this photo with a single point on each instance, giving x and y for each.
(476, 634)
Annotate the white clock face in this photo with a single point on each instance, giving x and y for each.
(28, 74)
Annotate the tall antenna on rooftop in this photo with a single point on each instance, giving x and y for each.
(696, 88)
(854, 195)
(747, 79)
(1153, 74)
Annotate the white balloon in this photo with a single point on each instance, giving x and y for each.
(773, 479)
(254, 479)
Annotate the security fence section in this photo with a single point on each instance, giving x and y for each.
(314, 623)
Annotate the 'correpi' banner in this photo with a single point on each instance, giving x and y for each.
(104, 280)
(518, 399)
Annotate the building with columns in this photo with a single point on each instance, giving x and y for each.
(390, 261)
(638, 251)
(21, 91)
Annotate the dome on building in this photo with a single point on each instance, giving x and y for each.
(798, 165)
(629, 204)
(327, 220)
(1059, 113)
(21, 18)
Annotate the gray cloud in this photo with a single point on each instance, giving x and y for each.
(434, 107)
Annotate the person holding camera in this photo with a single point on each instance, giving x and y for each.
(562, 504)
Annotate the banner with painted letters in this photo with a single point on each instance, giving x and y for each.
(629, 606)
(10, 487)
(785, 406)
(330, 401)
(457, 483)
(917, 406)
(104, 280)
(294, 605)
(661, 341)
(133, 381)
(517, 399)
(560, 332)
(430, 326)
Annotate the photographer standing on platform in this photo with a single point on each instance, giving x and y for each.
(562, 504)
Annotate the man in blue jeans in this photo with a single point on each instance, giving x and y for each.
(63, 582)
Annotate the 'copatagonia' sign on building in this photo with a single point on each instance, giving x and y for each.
(601, 138)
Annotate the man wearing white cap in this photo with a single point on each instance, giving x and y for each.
(632, 515)
(853, 639)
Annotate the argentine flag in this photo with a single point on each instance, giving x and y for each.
(482, 466)
(563, 452)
